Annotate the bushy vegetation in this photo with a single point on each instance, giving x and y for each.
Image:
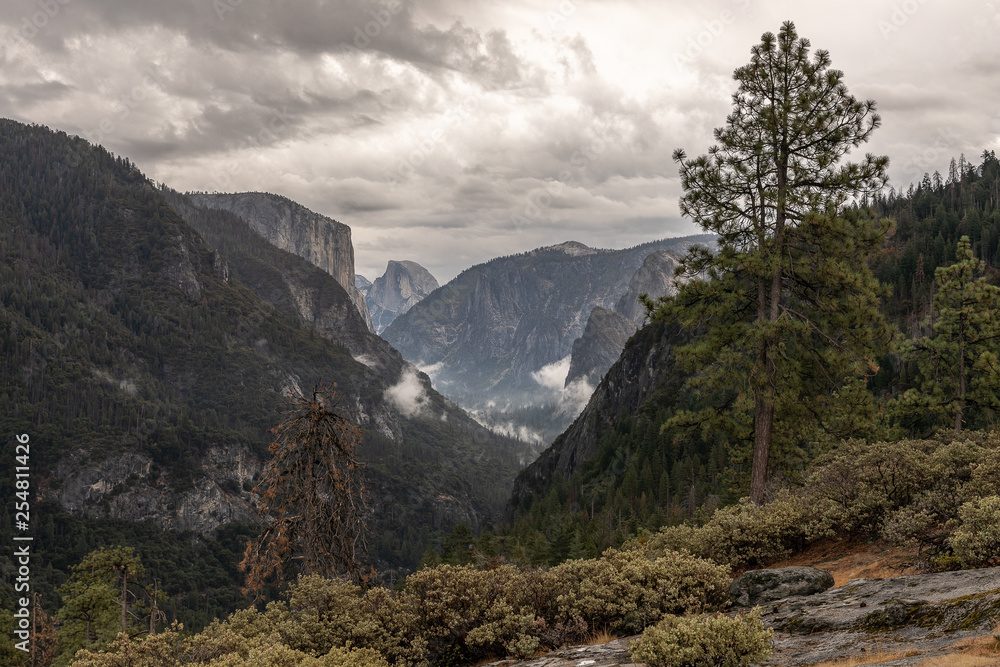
(977, 540)
(937, 493)
(713, 641)
(443, 615)
(120, 332)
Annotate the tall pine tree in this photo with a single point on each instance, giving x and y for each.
(789, 308)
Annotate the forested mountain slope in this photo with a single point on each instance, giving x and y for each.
(616, 471)
(148, 376)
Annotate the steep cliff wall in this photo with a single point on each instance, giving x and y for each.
(402, 286)
(644, 367)
(488, 333)
(290, 226)
(606, 332)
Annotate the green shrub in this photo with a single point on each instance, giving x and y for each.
(321, 614)
(626, 591)
(716, 640)
(465, 613)
(977, 540)
(390, 627)
(745, 534)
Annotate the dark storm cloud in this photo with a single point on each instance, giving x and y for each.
(450, 131)
(304, 27)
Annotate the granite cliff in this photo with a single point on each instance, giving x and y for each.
(402, 286)
(150, 356)
(321, 240)
(606, 332)
(501, 334)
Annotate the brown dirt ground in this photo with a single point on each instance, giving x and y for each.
(847, 560)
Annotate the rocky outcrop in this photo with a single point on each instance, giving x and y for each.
(363, 284)
(302, 291)
(129, 487)
(322, 241)
(599, 347)
(906, 620)
(759, 586)
(921, 614)
(607, 331)
(402, 286)
(654, 278)
(612, 654)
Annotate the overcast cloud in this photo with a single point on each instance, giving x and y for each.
(450, 132)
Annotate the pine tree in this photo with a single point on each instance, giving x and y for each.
(789, 305)
(958, 367)
(312, 493)
(96, 600)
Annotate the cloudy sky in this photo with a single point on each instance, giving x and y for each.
(450, 132)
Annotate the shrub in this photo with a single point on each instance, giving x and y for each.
(745, 534)
(864, 482)
(626, 591)
(321, 614)
(716, 640)
(466, 613)
(390, 627)
(977, 540)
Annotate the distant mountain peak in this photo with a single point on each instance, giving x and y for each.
(571, 248)
(402, 286)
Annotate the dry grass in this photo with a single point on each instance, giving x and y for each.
(853, 560)
(974, 652)
(961, 660)
(868, 658)
(599, 637)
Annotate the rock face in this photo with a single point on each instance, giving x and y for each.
(922, 614)
(489, 333)
(127, 487)
(655, 277)
(613, 654)
(644, 366)
(401, 287)
(758, 586)
(599, 347)
(322, 241)
(919, 617)
(606, 331)
(291, 284)
(363, 284)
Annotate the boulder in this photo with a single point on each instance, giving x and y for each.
(758, 586)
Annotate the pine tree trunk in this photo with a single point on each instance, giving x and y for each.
(961, 382)
(124, 593)
(762, 419)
